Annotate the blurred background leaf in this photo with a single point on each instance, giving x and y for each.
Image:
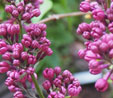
(44, 8)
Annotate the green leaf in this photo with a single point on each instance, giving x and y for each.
(60, 36)
(44, 8)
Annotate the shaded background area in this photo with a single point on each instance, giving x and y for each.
(64, 42)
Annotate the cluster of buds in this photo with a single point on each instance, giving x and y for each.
(20, 52)
(16, 82)
(58, 84)
(26, 9)
(99, 45)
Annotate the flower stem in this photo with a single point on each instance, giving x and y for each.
(60, 16)
(108, 3)
(37, 86)
(20, 30)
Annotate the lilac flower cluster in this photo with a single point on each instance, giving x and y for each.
(99, 45)
(19, 51)
(26, 9)
(59, 84)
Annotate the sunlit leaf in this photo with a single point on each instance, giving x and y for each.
(44, 8)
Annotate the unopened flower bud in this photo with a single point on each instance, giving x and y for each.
(46, 84)
(101, 85)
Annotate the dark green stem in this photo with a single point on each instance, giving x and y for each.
(20, 29)
(37, 87)
(108, 3)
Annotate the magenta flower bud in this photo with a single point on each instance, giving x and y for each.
(96, 32)
(3, 31)
(106, 38)
(9, 81)
(95, 35)
(35, 44)
(59, 95)
(66, 73)
(20, 8)
(13, 29)
(12, 88)
(49, 52)
(42, 27)
(35, 12)
(72, 78)
(86, 35)
(98, 24)
(44, 33)
(57, 70)
(90, 55)
(95, 71)
(63, 90)
(8, 8)
(104, 66)
(3, 50)
(41, 1)
(93, 64)
(48, 73)
(66, 80)
(36, 31)
(30, 70)
(60, 77)
(26, 16)
(109, 14)
(111, 53)
(104, 47)
(94, 48)
(98, 14)
(83, 27)
(15, 13)
(31, 59)
(8, 73)
(24, 55)
(14, 75)
(17, 47)
(85, 6)
(16, 62)
(9, 29)
(57, 82)
(81, 53)
(18, 94)
(51, 95)
(26, 40)
(3, 47)
(74, 90)
(4, 67)
(16, 54)
(101, 85)
(46, 85)
(110, 27)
